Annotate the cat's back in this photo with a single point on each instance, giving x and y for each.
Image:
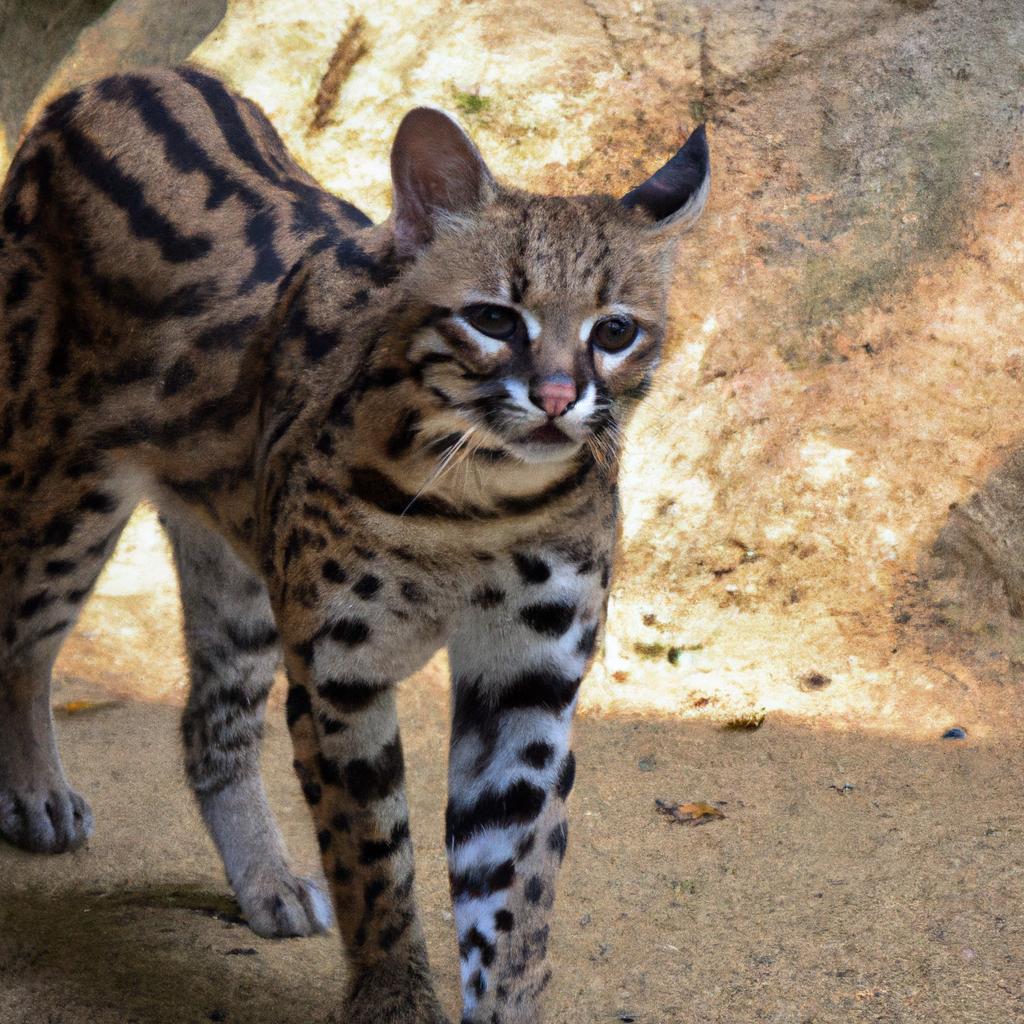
(147, 223)
(167, 195)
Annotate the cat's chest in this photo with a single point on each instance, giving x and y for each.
(389, 608)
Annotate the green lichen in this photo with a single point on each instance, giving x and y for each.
(471, 103)
(675, 653)
(653, 651)
(670, 652)
(884, 219)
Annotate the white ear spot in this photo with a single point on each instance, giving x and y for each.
(689, 213)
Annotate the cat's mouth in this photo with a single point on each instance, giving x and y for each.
(548, 434)
(546, 443)
(519, 432)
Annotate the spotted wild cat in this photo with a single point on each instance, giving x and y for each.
(367, 442)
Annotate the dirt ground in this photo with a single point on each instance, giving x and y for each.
(896, 900)
(845, 366)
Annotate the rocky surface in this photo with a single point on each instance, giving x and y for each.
(823, 496)
(845, 361)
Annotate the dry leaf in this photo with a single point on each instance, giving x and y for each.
(689, 814)
(745, 722)
(78, 707)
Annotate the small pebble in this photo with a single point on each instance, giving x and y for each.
(648, 763)
(625, 1016)
(813, 681)
(956, 733)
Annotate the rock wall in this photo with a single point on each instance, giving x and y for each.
(846, 357)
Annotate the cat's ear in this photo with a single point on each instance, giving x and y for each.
(674, 196)
(436, 173)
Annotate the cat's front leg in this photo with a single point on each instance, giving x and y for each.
(517, 662)
(348, 755)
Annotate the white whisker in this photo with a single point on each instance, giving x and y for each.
(443, 464)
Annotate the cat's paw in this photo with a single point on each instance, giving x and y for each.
(51, 819)
(278, 904)
(394, 994)
(371, 1014)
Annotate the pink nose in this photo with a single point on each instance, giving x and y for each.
(555, 394)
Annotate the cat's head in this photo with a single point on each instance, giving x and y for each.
(546, 313)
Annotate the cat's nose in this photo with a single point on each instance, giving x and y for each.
(553, 394)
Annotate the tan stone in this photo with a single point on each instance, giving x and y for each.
(844, 359)
(128, 34)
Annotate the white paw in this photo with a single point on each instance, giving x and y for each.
(278, 904)
(44, 820)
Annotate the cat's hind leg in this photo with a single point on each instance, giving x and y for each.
(48, 565)
(233, 652)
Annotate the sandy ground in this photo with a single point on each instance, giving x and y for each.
(898, 900)
(857, 874)
(845, 365)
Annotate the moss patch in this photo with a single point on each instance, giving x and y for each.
(471, 103)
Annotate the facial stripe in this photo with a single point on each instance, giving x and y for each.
(584, 406)
(489, 346)
(520, 395)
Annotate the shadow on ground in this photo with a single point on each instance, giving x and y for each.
(853, 878)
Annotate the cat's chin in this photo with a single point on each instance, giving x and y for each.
(544, 452)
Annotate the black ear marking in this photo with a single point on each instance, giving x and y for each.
(675, 195)
(435, 171)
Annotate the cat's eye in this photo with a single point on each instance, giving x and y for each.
(614, 333)
(495, 321)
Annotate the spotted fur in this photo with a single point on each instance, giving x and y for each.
(356, 467)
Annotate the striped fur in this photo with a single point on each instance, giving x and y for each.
(353, 473)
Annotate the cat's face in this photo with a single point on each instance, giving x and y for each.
(548, 321)
(547, 314)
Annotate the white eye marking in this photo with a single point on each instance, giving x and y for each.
(532, 323)
(609, 361)
(489, 346)
(587, 325)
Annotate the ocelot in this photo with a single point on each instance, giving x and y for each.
(367, 442)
